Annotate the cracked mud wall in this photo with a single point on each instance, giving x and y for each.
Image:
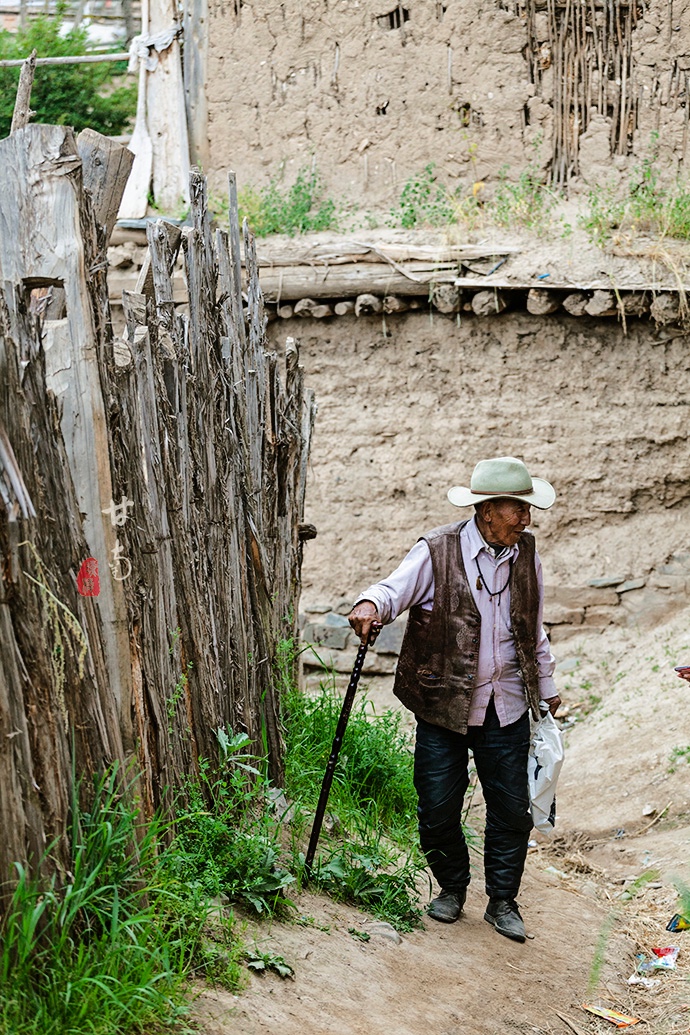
(374, 91)
(405, 410)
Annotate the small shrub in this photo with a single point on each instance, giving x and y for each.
(424, 202)
(65, 95)
(299, 209)
(227, 837)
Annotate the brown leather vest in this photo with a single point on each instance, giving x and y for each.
(437, 668)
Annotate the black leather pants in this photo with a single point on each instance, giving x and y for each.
(441, 780)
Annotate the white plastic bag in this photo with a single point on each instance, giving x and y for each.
(543, 766)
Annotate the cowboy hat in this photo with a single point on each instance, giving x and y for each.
(503, 476)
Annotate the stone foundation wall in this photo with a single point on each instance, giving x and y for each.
(636, 602)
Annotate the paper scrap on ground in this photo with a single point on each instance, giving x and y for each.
(646, 982)
(667, 957)
(621, 1020)
(678, 923)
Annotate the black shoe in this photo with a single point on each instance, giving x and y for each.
(447, 907)
(505, 916)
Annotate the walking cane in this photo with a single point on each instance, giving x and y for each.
(337, 743)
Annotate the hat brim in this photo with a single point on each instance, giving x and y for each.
(542, 496)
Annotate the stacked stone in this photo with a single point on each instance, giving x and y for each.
(619, 599)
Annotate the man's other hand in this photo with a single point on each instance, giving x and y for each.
(362, 617)
(554, 704)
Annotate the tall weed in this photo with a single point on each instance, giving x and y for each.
(374, 777)
(227, 839)
(109, 948)
(299, 209)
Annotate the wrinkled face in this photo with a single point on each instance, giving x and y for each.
(503, 520)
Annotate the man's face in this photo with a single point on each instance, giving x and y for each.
(506, 520)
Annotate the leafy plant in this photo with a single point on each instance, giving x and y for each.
(109, 948)
(299, 209)
(526, 202)
(368, 873)
(362, 936)
(65, 95)
(644, 205)
(227, 837)
(261, 962)
(423, 202)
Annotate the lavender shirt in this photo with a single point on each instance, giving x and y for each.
(412, 583)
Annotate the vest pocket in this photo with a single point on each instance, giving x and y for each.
(430, 682)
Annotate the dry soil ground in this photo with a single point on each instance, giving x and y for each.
(624, 811)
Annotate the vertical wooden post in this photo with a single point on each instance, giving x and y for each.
(42, 209)
(22, 105)
(195, 26)
(167, 115)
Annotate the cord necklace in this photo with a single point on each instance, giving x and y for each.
(482, 582)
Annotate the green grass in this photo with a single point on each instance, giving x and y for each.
(368, 852)
(644, 205)
(373, 781)
(110, 948)
(232, 838)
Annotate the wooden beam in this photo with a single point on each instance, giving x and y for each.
(488, 303)
(82, 59)
(295, 282)
(366, 305)
(540, 301)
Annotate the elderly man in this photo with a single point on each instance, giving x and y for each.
(474, 661)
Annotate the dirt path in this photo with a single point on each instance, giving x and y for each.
(464, 979)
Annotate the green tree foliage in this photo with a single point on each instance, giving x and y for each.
(64, 95)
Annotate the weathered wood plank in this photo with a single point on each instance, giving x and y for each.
(187, 426)
(43, 213)
(106, 167)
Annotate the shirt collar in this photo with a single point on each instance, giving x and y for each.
(477, 542)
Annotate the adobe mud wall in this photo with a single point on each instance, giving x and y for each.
(374, 91)
(407, 406)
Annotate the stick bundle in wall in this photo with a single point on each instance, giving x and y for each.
(589, 43)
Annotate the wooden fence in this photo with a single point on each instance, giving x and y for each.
(151, 493)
